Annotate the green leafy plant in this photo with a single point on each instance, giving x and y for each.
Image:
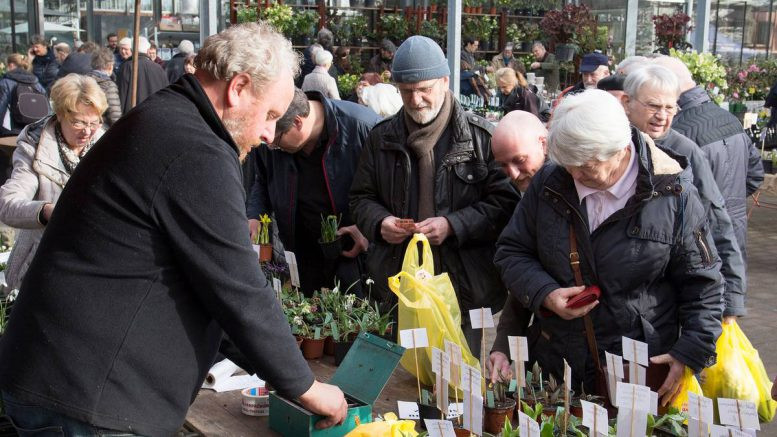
(479, 28)
(305, 22)
(531, 31)
(281, 17)
(247, 14)
(357, 26)
(514, 33)
(329, 226)
(346, 83)
(707, 71)
(432, 29)
(393, 27)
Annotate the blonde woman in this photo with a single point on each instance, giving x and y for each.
(47, 152)
(515, 94)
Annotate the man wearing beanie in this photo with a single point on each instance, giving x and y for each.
(432, 163)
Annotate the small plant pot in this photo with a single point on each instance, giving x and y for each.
(265, 252)
(565, 52)
(341, 350)
(576, 408)
(494, 418)
(329, 346)
(299, 340)
(313, 349)
(332, 249)
(462, 432)
(427, 412)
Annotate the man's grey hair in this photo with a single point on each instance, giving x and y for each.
(102, 59)
(62, 47)
(588, 126)
(253, 48)
(537, 44)
(186, 47)
(322, 58)
(678, 67)
(652, 76)
(630, 63)
(325, 37)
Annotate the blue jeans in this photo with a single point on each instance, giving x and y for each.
(32, 420)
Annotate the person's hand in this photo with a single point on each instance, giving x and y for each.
(774, 389)
(48, 209)
(557, 300)
(325, 400)
(671, 387)
(499, 363)
(436, 229)
(392, 233)
(30, 53)
(534, 65)
(360, 244)
(727, 320)
(489, 69)
(253, 228)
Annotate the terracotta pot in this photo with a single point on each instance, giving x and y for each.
(329, 346)
(299, 340)
(494, 418)
(576, 408)
(461, 432)
(492, 11)
(312, 349)
(265, 252)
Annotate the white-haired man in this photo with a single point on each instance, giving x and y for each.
(151, 77)
(432, 163)
(148, 258)
(175, 67)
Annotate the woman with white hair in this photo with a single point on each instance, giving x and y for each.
(319, 79)
(383, 98)
(612, 211)
(650, 100)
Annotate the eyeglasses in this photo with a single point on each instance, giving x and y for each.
(275, 145)
(427, 90)
(81, 125)
(654, 109)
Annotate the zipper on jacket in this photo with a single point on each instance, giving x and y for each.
(703, 249)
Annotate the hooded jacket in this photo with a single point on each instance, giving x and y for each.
(7, 87)
(111, 90)
(653, 260)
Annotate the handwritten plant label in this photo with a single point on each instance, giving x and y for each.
(631, 423)
(700, 407)
(633, 397)
(595, 417)
(739, 413)
(441, 363)
(470, 379)
(519, 353)
(614, 364)
(481, 318)
(454, 352)
(697, 428)
(291, 260)
(473, 412)
(635, 351)
(439, 428)
(527, 426)
(413, 338)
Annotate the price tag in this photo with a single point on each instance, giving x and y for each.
(291, 260)
(407, 410)
(614, 364)
(697, 428)
(633, 397)
(439, 428)
(595, 417)
(413, 338)
(441, 363)
(473, 413)
(631, 423)
(700, 407)
(739, 413)
(519, 349)
(481, 318)
(635, 351)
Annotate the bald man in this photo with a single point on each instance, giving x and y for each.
(734, 159)
(519, 146)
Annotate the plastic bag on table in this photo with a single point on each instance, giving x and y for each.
(427, 301)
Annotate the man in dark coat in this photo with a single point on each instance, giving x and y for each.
(151, 77)
(733, 158)
(318, 143)
(432, 163)
(545, 65)
(44, 63)
(382, 61)
(79, 62)
(174, 67)
(147, 259)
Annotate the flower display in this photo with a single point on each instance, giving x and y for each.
(707, 71)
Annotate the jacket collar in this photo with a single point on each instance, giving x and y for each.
(330, 118)
(47, 161)
(693, 97)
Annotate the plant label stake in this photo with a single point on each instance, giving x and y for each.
(739, 413)
(470, 375)
(697, 428)
(480, 321)
(454, 352)
(413, 339)
(567, 384)
(594, 417)
(614, 373)
(519, 353)
(636, 352)
(439, 428)
(700, 410)
(441, 366)
(633, 402)
(291, 260)
(527, 426)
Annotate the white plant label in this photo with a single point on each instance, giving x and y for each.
(697, 428)
(700, 407)
(413, 338)
(276, 285)
(441, 363)
(481, 318)
(470, 379)
(740, 432)
(528, 427)
(567, 379)
(291, 260)
(473, 412)
(631, 423)
(719, 431)
(739, 413)
(441, 392)
(653, 403)
(633, 397)
(407, 410)
(454, 352)
(595, 417)
(519, 349)
(636, 374)
(439, 428)
(614, 364)
(612, 383)
(635, 351)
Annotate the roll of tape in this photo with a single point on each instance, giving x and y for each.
(256, 402)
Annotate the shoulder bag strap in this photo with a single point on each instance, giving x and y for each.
(574, 262)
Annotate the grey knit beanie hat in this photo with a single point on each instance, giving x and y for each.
(419, 58)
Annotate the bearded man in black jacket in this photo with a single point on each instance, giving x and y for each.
(148, 258)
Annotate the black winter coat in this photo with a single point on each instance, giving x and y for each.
(45, 68)
(653, 260)
(174, 67)
(79, 63)
(734, 159)
(146, 258)
(732, 265)
(471, 191)
(151, 78)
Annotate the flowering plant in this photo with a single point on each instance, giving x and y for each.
(672, 29)
(752, 82)
(706, 70)
(263, 233)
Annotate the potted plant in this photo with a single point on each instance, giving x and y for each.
(576, 406)
(281, 17)
(262, 239)
(357, 28)
(393, 27)
(330, 242)
(514, 34)
(480, 28)
(305, 25)
(564, 26)
(706, 70)
(346, 83)
(312, 329)
(432, 29)
(671, 31)
(501, 410)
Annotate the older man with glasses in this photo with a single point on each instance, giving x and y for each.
(432, 163)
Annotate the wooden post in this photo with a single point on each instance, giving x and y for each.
(419, 15)
(503, 30)
(135, 40)
(232, 12)
(321, 14)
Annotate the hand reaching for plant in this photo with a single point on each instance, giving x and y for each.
(436, 229)
(671, 386)
(557, 300)
(499, 365)
(326, 400)
(360, 244)
(253, 228)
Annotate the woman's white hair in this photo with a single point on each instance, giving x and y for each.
(630, 63)
(253, 48)
(323, 58)
(587, 126)
(651, 76)
(382, 98)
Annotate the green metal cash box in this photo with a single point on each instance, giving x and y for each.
(364, 372)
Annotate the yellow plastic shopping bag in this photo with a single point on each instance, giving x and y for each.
(739, 373)
(427, 301)
(390, 426)
(688, 383)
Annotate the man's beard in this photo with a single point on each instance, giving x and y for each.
(425, 115)
(235, 127)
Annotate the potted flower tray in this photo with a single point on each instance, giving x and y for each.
(364, 372)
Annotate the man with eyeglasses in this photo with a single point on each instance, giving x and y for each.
(305, 174)
(650, 101)
(431, 163)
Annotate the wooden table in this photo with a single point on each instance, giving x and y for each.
(218, 414)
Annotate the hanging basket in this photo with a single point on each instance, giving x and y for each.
(565, 52)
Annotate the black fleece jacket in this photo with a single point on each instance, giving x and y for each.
(145, 259)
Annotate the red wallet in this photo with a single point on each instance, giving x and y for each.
(589, 295)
